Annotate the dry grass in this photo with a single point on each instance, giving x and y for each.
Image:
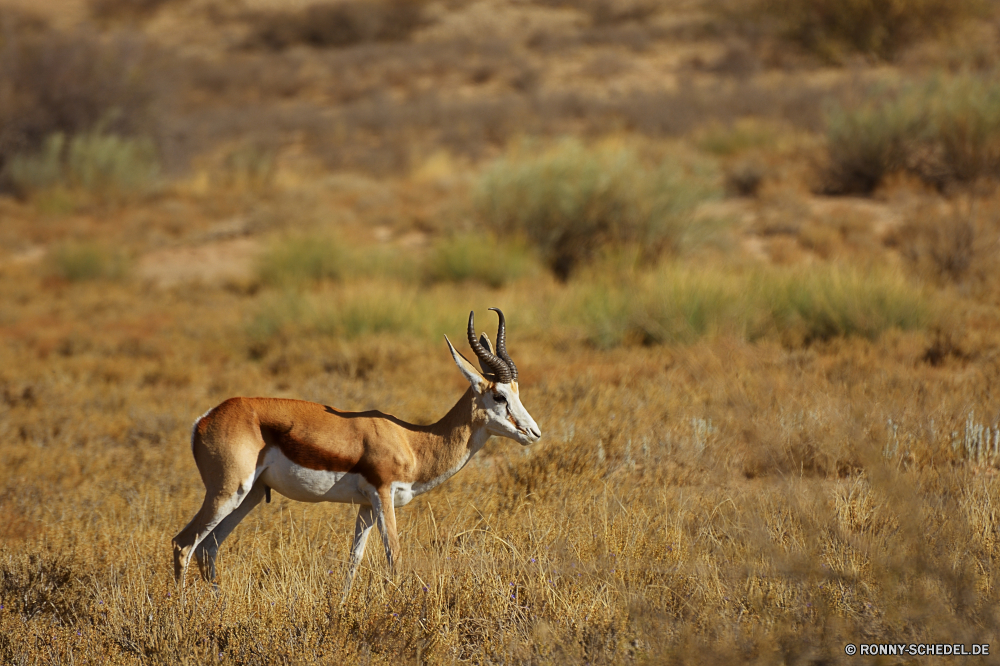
(724, 500)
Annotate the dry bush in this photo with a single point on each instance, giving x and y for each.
(833, 28)
(105, 10)
(744, 177)
(337, 24)
(952, 243)
(70, 83)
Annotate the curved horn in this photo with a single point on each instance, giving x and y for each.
(492, 360)
(502, 345)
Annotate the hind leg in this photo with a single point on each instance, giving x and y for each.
(216, 507)
(206, 551)
(362, 527)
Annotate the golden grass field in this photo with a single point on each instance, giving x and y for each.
(770, 428)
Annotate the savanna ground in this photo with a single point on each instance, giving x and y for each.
(748, 254)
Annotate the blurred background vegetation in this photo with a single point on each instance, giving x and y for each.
(748, 252)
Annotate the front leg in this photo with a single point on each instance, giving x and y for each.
(386, 516)
(362, 528)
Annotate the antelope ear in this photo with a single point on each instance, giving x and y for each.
(476, 380)
(485, 342)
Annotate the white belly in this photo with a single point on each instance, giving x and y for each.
(309, 485)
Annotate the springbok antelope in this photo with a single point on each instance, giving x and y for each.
(314, 453)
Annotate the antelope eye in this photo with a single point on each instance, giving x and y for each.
(499, 398)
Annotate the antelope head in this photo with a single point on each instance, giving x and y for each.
(495, 388)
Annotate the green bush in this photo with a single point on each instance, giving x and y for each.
(870, 141)
(572, 201)
(78, 262)
(945, 130)
(106, 165)
(293, 262)
(877, 28)
(964, 123)
(476, 258)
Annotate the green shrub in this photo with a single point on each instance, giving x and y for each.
(964, 123)
(296, 261)
(870, 141)
(945, 130)
(877, 28)
(572, 201)
(106, 165)
(78, 262)
(476, 258)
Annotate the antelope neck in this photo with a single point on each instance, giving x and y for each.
(450, 442)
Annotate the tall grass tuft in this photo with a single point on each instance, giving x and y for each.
(678, 305)
(105, 165)
(294, 262)
(476, 258)
(363, 308)
(572, 200)
(80, 262)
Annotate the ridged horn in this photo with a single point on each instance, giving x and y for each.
(500, 369)
(502, 345)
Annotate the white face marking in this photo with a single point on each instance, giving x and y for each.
(309, 485)
(508, 417)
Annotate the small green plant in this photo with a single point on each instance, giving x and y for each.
(293, 262)
(741, 136)
(476, 258)
(79, 262)
(105, 165)
(572, 201)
